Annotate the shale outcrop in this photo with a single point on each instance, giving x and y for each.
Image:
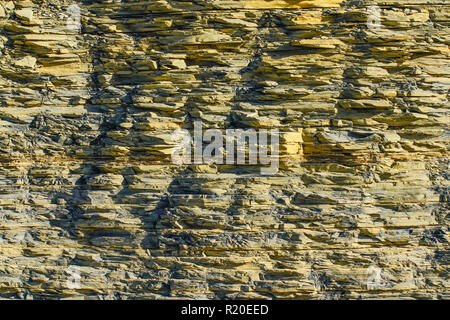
(91, 205)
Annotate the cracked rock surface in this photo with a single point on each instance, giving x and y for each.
(91, 205)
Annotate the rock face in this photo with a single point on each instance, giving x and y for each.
(91, 205)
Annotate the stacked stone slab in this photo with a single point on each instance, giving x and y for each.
(86, 177)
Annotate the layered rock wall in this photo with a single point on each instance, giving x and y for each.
(91, 205)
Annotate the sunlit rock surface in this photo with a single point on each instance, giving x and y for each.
(91, 205)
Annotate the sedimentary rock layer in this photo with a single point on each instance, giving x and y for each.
(89, 194)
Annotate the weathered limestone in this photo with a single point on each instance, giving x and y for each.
(86, 179)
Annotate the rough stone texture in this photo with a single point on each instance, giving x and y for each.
(86, 179)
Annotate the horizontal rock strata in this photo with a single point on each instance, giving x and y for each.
(91, 205)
